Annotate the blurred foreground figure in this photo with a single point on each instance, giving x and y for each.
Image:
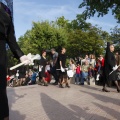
(7, 36)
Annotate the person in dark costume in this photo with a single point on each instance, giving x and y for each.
(22, 73)
(117, 57)
(6, 36)
(42, 65)
(110, 65)
(53, 67)
(61, 67)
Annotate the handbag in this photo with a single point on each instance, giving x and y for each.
(70, 73)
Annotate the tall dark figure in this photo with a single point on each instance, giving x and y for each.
(110, 65)
(6, 36)
(54, 72)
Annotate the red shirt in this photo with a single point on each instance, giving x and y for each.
(78, 70)
(8, 78)
(102, 62)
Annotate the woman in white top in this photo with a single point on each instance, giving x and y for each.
(73, 68)
(92, 60)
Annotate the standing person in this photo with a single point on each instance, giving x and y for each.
(78, 74)
(22, 73)
(117, 57)
(42, 65)
(53, 69)
(84, 73)
(7, 35)
(110, 65)
(61, 65)
(90, 73)
(73, 68)
(102, 61)
(92, 60)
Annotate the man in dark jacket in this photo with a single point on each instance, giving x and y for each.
(7, 36)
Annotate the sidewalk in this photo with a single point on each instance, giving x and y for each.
(54, 103)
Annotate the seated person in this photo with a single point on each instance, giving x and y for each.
(84, 73)
(8, 79)
(27, 79)
(47, 73)
(33, 78)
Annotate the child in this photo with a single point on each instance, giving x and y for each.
(77, 76)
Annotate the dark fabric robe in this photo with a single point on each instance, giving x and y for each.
(110, 62)
(6, 36)
(43, 62)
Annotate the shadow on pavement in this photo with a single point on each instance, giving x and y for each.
(56, 111)
(82, 112)
(12, 99)
(103, 98)
(92, 87)
(109, 111)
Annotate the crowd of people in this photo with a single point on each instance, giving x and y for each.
(77, 71)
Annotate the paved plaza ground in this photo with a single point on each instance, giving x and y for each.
(54, 103)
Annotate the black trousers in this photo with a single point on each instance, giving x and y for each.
(6, 36)
(55, 74)
(4, 110)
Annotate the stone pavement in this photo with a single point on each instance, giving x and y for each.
(53, 103)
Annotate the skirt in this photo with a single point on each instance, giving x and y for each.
(113, 76)
(118, 75)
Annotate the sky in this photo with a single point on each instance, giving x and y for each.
(27, 11)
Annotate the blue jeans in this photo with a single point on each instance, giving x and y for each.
(77, 78)
(83, 76)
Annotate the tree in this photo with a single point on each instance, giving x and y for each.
(42, 36)
(90, 42)
(80, 23)
(115, 37)
(62, 22)
(102, 7)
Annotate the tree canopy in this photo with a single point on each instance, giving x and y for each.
(42, 36)
(101, 7)
(78, 36)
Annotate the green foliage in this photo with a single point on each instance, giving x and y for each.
(102, 7)
(115, 37)
(43, 35)
(80, 23)
(78, 36)
(81, 42)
